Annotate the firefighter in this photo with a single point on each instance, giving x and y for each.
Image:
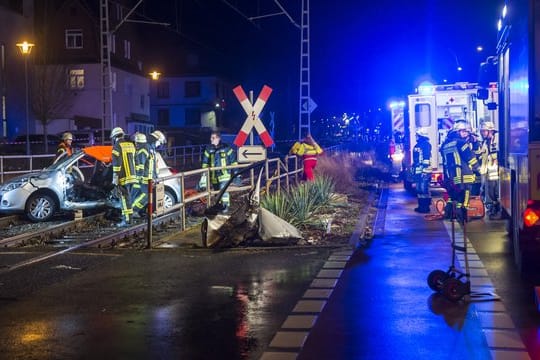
(460, 167)
(308, 149)
(489, 169)
(145, 170)
(476, 148)
(65, 147)
(218, 154)
(422, 170)
(124, 174)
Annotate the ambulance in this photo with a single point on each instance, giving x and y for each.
(436, 108)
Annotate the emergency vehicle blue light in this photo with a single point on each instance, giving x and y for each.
(426, 88)
(504, 11)
(499, 25)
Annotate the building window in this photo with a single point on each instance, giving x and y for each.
(142, 102)
(193, 89)
(127, 49)
(163, 117)
(193, 117)
(74, 39)
(76, 79)
(163, 89)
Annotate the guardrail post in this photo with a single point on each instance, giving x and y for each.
(287, 181)
(149, 212)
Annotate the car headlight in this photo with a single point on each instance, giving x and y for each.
(397, 156)
(14, 185)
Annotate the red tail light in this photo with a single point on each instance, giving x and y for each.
(174, 171)
(530, 217)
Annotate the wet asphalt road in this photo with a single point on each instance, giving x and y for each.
(199, 304)
(159, 304)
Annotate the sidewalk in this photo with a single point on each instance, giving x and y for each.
(382, 307)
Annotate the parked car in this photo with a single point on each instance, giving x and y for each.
(80, 181)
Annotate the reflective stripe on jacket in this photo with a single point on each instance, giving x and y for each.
(422, 156)
(123, 162)
(219, 156)
(144, 164)
(459, 161)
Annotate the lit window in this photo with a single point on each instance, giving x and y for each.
(76, 79)
(74, 39)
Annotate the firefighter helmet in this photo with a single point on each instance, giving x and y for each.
(117, 132)
(159, 136)
(422, 132)
(139, 138)
(461, 125)
(488, 125)
(67, 136)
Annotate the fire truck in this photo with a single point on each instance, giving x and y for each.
(436, 108)
(518, 65)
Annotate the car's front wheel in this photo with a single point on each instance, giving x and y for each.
(168, 199)
(40, 207)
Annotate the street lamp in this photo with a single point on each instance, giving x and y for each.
(155, 75)
(25, 48)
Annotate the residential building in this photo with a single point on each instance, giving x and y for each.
(69, 31)
(16, 20)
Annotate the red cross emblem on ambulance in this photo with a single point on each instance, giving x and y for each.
(253, 111)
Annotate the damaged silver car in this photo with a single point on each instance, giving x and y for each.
(77, 182)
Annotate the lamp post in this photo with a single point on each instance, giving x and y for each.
(25, 48)
(154, 75)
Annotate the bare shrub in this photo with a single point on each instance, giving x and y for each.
(340, 168)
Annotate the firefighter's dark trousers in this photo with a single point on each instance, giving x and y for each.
(126, 193)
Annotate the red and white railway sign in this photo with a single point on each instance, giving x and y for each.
(253, 112)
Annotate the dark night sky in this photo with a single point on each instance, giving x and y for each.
(362, 52)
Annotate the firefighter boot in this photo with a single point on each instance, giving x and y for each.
(423, 205)
(461, 214)
(448, 211)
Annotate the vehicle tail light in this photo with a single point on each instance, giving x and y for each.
(530, 217)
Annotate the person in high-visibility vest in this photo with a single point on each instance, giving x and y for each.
(489, 168)
(144, 167)
(309, 150)
(124, 175)
(65, 147)
(422, 170)
(460, 167)
(218, 154)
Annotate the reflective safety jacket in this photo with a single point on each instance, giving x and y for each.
(63, 148)
(421, 156)
(459, 162)
(307, 151)
(144, 163)
(218, 156)
(123, 162)
(488, 159)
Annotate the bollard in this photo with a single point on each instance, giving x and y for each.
(150, 211)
